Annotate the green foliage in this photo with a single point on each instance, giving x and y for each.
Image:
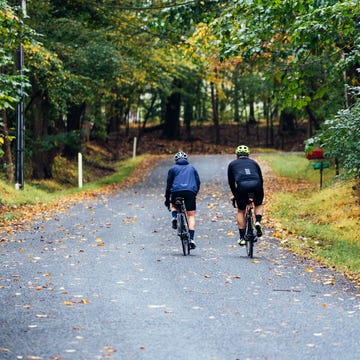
(69, 139)
(340, 137)
(296, 44)
(12, 84)
(107, 57)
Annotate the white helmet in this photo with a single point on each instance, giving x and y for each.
(180, 155)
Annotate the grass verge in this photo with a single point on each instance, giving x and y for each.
(38, 196)
(320, 224)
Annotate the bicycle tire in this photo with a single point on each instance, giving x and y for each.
(249, 237)
(184, 235)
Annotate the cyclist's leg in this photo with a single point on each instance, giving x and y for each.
(240, 218)
(191, 219)
(190, 203)
(173, 210)
(259, 208)
(241, 200)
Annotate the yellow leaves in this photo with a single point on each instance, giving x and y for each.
(99, 242)
(82, 301)
(130, 220)
(108, 351)
(230, 233)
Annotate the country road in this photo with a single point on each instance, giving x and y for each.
(107, 279)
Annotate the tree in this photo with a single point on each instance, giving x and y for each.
(12, 84)
(293, 44)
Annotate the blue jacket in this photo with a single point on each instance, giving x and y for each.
(182, 176)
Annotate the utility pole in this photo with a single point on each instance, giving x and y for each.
(20, 115)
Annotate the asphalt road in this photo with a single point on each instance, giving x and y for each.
(107, 279)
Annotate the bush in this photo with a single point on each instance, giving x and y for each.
(340, 136)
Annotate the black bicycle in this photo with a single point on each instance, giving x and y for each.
(183, 225)
(250, 220)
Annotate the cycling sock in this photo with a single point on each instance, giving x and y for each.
(242, 233)
(192, 232)
(173, 214)
(258, 218)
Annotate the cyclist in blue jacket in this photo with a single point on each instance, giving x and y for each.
(183, 181)
(244, 177)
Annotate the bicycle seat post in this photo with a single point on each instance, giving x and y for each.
(251, 198)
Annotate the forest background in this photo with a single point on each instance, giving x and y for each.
(208, 73)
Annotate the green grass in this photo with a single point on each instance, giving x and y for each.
(321, 224)
(47, 192)
(297, 167)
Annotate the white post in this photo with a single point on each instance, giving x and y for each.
(80, 170)
(134, 147)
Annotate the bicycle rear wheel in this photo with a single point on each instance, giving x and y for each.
(250, 247)
(249, 237)
(184, 235)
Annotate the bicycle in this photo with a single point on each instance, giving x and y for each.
(250, 220)
(183, 225)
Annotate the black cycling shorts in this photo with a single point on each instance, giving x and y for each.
(189, 196)
(241, 197)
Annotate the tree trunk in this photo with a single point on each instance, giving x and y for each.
(7, 150)
(172, 113)
(188, 115)
(312, 123)
(41, 160)
(215, 112)
(236, 95)
(74, 118)
(252, 119)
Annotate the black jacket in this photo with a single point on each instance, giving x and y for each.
(244, 173)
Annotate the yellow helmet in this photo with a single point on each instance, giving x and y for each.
(242, 150)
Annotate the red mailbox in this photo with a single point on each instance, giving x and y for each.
(315, 154)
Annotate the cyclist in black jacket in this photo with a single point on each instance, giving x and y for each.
(244, 177)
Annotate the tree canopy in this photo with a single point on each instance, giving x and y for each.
(91, 65)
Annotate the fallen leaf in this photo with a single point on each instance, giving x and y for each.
(41, 316)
